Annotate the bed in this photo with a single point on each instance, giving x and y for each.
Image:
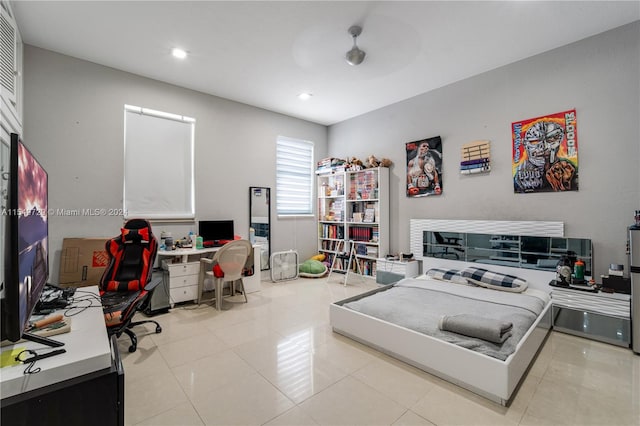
(482, 369)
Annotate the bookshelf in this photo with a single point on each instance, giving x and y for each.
(353, 207)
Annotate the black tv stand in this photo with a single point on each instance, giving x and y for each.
(42, 340)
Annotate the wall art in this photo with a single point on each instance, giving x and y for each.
(545, 153)
(424, 167)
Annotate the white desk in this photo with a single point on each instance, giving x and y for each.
(183, 275)
(83, 386)
(87, 346)
(184, 253)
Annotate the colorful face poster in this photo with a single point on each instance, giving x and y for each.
(424, 167)
(545, 153)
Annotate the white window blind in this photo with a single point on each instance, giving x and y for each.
(294, 177)
(158, 164)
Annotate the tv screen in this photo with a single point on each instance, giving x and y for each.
(27, 240)
(216, 230)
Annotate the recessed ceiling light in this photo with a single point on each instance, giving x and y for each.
(179, 53)
(304, 96)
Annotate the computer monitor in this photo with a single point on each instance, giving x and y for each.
(216, 230)
(26, 262)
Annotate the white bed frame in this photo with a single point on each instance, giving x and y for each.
(492, 378)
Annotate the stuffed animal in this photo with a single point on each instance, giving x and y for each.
(312, 268)
(372, 161)
(385, 162)
(355, 164)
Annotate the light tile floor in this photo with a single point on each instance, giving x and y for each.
(275, 361)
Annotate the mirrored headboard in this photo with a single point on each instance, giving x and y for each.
(531, 245)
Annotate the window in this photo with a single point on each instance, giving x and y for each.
(158, 165)
(294, 177)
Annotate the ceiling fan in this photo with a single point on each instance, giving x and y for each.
(355, 56)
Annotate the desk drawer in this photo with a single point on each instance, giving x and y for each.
(182, 269)
(183, 281)
(593, 302)
(184, 294)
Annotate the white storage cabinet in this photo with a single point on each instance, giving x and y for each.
(390, 271)
(183, 281)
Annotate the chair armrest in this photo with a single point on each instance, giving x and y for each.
(153, 282)
(206, 264)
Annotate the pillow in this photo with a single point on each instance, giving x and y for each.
(449, 275)
(134, 235)
(312, 268)
(494, 280)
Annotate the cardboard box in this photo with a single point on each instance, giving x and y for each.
(82, 262)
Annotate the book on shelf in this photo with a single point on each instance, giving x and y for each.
(360, 233)
(372, 251)
(367, 267)
(369, 215)
(329, 245)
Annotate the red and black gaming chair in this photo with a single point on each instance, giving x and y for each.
(125, 284)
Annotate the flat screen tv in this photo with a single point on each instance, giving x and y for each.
(216, 230)
(26, 242)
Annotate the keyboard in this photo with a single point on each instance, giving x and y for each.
(114, 301)
(212, 243)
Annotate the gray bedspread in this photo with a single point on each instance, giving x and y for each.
(418, 304)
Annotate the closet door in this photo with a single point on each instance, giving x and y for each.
(10, 74)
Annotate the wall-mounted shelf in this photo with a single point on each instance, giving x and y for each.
(475, 157)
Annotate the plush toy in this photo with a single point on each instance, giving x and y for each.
(385, 162)
(372, 161)
(355, 164)
(312, 268)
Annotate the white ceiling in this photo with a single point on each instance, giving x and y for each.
(265, 53)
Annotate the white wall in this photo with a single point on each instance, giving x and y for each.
(73, 123)
(599, 76)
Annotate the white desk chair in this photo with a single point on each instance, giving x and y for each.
(226, 266)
